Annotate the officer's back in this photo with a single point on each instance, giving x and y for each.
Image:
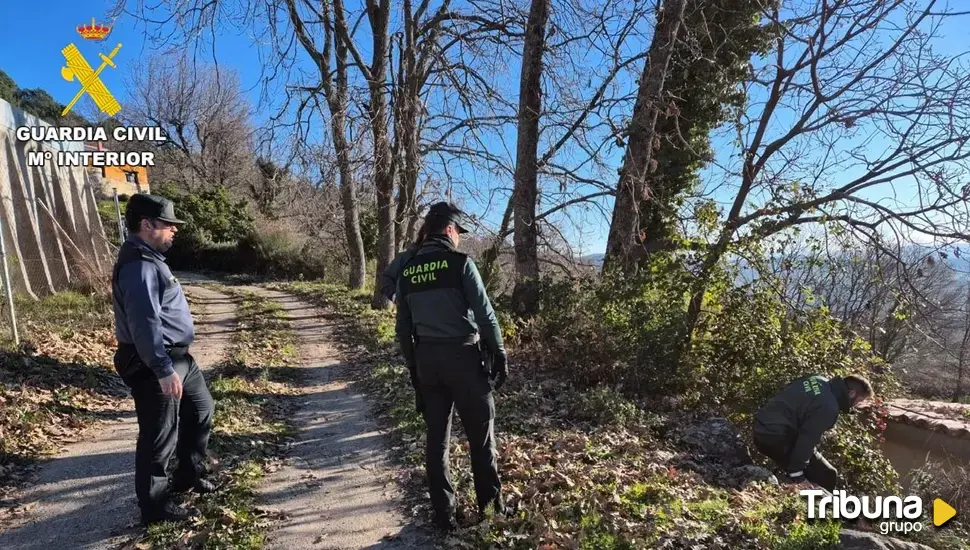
(442, 309)
(812, 402)
(445, 296)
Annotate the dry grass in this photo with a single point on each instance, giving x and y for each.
(948, 481)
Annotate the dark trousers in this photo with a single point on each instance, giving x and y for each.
(451, 376)
(818, 471)
(167, 426)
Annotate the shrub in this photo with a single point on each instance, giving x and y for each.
(754, 345)
(109, 219)
(220, 234)
(192, 255)
(277, 252)
(811, 536)
(626, 335)
(618, 331)
(211, 215)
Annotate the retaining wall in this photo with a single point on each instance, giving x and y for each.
(48, 215)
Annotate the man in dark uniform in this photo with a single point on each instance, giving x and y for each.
(443, 311)
(154, 330)
(789, 427)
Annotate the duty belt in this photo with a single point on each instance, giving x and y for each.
(174, 351)
(469, 340)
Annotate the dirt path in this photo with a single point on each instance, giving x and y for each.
(335, 490)
(84, 498)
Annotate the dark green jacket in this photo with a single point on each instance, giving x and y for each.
(441, 297)
(800, 414)
(393, 271)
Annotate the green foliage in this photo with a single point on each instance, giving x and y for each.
(38, 102)
(66, 308)
(605, 406)
(220, 234)
(616, 331)
(623, 336)
(819, 535)
(855, 450)
(594, 536)
(8, 89)
(753, 344)
(704, 87)
(369, 231)
(211, 215)
(275, 252)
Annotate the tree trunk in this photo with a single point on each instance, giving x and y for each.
(348, 195)
(336, 96)
(348, 187)
(408, 115)
(622, 243)
(525, 296)
(379, 13)
(489, 266)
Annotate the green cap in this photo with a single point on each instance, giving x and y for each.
(151, 206)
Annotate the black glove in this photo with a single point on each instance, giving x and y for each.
(500, 370)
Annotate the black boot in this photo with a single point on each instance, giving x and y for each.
(202, 486)
(168, 512)
(447, 524)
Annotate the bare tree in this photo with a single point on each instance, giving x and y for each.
(205, 116)
(853, 99)
(375, 73)
(334, 85)
(585, 102)
(526, 192)
(894, 297)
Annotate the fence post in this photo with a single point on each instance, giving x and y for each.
(121, 225)
(8, 287)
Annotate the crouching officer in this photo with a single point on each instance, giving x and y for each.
(154, 330)
(789, 427)
(442, 309)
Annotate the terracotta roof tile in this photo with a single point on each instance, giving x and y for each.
(938, 416)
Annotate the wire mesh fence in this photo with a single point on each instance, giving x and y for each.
(53, 235)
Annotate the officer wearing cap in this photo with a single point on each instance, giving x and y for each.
(154, 330)
(443, 316)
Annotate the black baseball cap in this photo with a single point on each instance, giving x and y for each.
(142, 205)
(449, 212)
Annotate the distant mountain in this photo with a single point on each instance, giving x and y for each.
(595, 260)
(958, 260)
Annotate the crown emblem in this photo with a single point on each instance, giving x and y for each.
(94, 31)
